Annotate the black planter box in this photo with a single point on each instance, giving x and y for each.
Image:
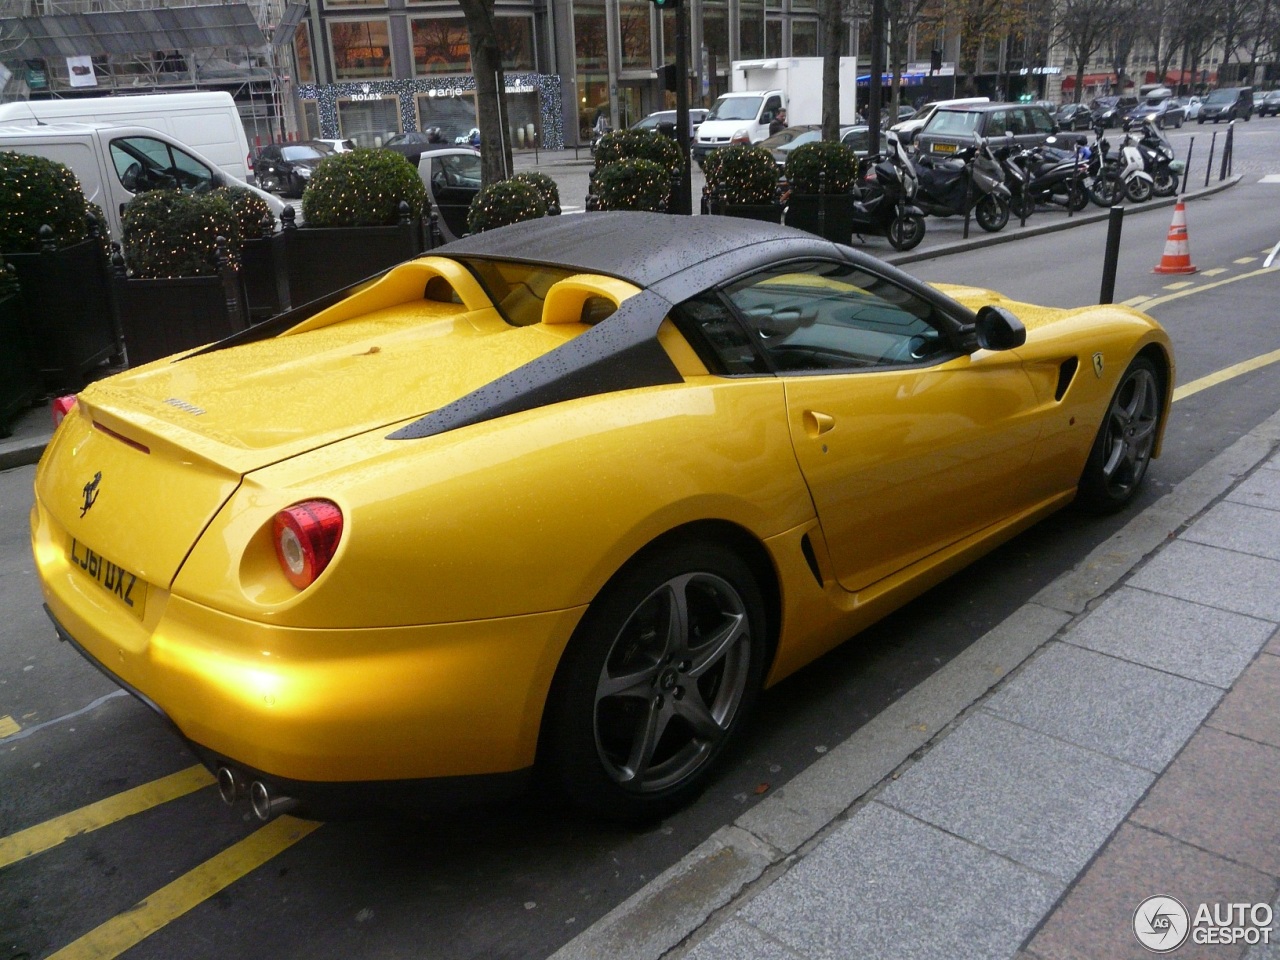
(319, 260)
(266, 287)
(19, 378)
(163, 317)
(828, 215)
(66, 295)
(768, 212)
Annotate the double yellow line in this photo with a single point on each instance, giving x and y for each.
(173, 900)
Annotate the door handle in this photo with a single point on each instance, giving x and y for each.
(816, 424)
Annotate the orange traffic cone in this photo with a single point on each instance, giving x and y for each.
(1177, 251)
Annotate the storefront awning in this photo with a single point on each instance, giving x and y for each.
(130, 32)
(1090, 80)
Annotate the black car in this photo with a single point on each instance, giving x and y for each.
(414, 142)
(1110, 111)
(285, 168)
(1165, 112)
(1269, 104)
(1074, 116)
(1227, 103)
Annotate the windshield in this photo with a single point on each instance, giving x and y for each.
(809, 136)
(735, 108)
(1221, 96)
(953, 122)
(300, 153)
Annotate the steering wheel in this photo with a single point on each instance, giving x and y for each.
(131, 179)
(440, 181)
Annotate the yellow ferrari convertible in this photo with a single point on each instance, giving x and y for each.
(561, 499)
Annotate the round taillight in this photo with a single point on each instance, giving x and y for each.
(306, 537)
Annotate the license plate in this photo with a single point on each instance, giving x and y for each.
(944, 148)
(127, 588)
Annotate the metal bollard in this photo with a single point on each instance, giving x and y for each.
(1111, 258)
(1186, 171)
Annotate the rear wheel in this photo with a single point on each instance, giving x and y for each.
(992, 213)
(657, 680)
(1023, 206)
(1077, 196)
(906, 231)
(1106, 190)
(1121, 452)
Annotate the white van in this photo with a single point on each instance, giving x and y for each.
(207, 122)
(114, 163)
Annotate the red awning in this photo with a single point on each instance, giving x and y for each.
(1090, 80)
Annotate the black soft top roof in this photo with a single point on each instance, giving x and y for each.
(642, 248)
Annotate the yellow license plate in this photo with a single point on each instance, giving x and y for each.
(127, 588)
(944, 148)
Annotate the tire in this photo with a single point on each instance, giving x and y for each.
(1166, 183)
(1106, 190)
(1121, 452)
(1023, 207)
(1199, 119)
(992, 213)
(1077, 196)
(906, 231)
(640, 711)
(268, 183)
(1138, 190)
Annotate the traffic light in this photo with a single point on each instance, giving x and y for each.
(666, 4)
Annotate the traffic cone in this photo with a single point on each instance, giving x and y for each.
(1177, 251)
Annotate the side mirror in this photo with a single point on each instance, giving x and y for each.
(998, 329)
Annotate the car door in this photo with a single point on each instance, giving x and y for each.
(454, 182)
(906, 443)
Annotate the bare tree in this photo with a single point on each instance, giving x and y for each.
(1083, 26)
(491, 89)
(831, 25)
(901, 17)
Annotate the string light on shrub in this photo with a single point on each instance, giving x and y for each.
(505, 202)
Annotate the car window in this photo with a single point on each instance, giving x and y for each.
(953, 123)
(144, 163)
(718, 336)
(461, 170)
(1041, 122)
(822, 316)
(997, 123)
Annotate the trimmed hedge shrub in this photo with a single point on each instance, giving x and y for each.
(544, 185)
(633, 185)
(35, 191)
(807, 162)
(742, 174)
(362, 188)
(172, 234)
(249, 209)
(508, 201)
(638, 145)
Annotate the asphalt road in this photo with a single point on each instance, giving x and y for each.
(189, 878)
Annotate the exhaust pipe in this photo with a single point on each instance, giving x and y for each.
(265, 805)
(231, 785)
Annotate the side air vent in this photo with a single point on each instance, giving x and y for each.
(806, 547)
(1066, 373)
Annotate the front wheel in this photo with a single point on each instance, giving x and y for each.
(1023, 206)
(992, 213)
(1106, 190)
(658, 678)
(1137, 189)
(1077, 196)
(906, 231)
(1122, 450)
(1166, 183)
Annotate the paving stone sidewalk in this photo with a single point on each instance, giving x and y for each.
(1136, 755)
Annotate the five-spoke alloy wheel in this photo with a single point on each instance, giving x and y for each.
(1122, 451)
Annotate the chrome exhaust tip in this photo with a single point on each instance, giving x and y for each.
(266, 806)
(231, 785)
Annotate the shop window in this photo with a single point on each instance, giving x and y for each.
(715, 30)
(451, 112)
(804, 38)
(361, 49)
(751, 29)
(441, 45)
(302, 51)
(636, 30)
(370, 123)
(515, 37)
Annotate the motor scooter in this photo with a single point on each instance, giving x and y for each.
(1045, 175)
(883, 206)
(1160, 160)
(971, 180)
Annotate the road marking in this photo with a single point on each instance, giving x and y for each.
(1181, 284)
(1226, 373)
(1246, 260)
(8, 727)
(190, 890)
(1134, 301)
(37, 839)
(1166, 298)
(1212, 273)
(1271, 178)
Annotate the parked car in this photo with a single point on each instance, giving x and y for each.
(285, 168)
(1270, 104)
(907, 129)
(857, 137)
(1164, 112)
(413, 142)
(435, 551)
(451, 174)
(1074, 116)
(1110, 111)
(1193, 107)
(1227, 103)
(664, 121)
(953, 128)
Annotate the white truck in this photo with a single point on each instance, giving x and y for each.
(207, 121)
(759, 89)
(114, 163)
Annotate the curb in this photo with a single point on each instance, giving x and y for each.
(746, 855)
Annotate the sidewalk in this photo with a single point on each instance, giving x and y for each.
(1117, 739)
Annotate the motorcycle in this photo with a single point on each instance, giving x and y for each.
(883, 206)
(973, 175)
(1045, 175)
(1159, 159)
(1112, 179)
